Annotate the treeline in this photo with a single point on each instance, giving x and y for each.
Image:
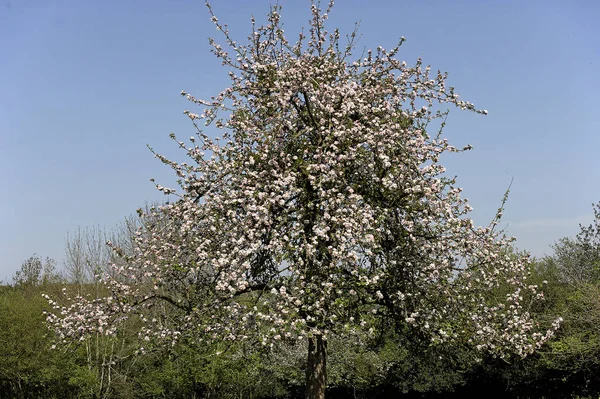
(388, 364)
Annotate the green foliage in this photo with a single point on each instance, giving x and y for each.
(29, 368)
(568, 365)
(384, 363)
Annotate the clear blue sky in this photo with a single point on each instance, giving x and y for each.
(85, 85)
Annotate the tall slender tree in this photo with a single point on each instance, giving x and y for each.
(322, 209)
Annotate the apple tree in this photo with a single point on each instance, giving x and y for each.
(322, 209)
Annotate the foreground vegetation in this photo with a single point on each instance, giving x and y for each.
(380, 366)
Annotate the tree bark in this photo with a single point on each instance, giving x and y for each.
(316, 368)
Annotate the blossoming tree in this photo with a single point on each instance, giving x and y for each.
(321, 209)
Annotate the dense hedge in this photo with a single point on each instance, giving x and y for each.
(386, 366)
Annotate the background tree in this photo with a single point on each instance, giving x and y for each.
(324, 212)
(86, 255)
(105, 359)
(572, 358)
(568, 365)
(34, 272)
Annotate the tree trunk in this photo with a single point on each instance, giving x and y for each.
(316, 368)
